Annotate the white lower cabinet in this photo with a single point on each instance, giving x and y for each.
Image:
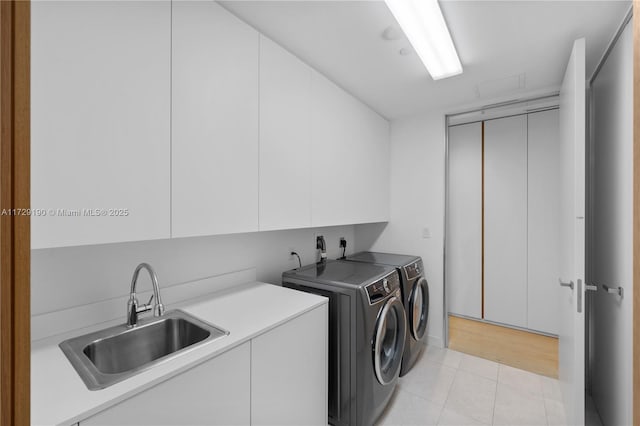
(216, 392)
(277, 378)
(289, 372)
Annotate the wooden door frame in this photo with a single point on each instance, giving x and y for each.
(15, 237)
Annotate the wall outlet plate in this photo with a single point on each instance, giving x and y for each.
(426, 232)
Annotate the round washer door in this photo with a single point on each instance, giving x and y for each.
(388, 341)
(418, 311)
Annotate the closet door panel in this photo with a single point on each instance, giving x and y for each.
(544, 222)
(505, 279)
(464, 226)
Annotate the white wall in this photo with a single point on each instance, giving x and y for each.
(417, 202)
(73, 276)
(611, 240)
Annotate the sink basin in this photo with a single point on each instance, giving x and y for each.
(114, 354)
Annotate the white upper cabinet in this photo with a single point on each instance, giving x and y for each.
(196, 125)
(505, 214)
(350, 147)
(285, 139)
(100, 120)
(214, 173)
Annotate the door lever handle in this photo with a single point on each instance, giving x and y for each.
(589, 287)
(569, 284)
(613, 290)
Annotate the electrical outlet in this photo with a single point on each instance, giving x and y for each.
(426, 232)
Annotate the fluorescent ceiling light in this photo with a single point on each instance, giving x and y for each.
(424, 26)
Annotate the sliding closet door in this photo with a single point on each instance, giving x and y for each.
(464, 223)
(505, 279)
(543, 254)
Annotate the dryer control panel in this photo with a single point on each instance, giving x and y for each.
(414, 269)
(383, 287)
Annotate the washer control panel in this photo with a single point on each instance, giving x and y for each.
(414, 269)
(383, 287)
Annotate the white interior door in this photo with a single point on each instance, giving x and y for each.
(572, 232)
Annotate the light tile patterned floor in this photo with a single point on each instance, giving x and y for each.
(451, 388)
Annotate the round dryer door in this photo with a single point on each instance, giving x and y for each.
(418, 311)
(388, 342)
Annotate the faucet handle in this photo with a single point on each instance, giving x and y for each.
(158, 308)
(146, 307)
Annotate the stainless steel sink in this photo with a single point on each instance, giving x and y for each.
(114, 354)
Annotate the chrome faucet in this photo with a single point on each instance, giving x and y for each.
(133, 309)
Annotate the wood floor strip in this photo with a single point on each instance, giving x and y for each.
(521, 349)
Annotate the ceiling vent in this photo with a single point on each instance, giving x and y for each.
(502, 86)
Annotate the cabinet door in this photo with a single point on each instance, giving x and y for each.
(216, 392)
(505, 254)
(543, 193)
(289, 372)
(100, 120)
(285, 139)
(350, 145)
(464, 225)
(214, 121)
(373, 182)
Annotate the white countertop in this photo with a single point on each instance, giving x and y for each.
(59, 396)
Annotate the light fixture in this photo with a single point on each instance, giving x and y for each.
(424, 26)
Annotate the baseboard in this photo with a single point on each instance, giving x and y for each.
(436, 341)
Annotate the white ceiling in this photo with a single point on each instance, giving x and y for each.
(507, 48)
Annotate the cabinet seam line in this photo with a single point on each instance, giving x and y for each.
(251, 381)
(171, 119)
(526, 308)
(259, 130)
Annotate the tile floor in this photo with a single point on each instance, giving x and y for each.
(451, 388)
